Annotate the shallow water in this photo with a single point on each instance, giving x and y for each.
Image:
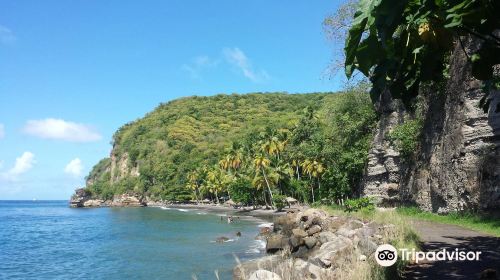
(48, 240)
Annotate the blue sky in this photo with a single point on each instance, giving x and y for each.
(72, 72)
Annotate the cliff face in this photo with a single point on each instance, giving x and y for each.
(458, 160)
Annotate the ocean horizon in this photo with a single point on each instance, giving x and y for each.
(46, 239)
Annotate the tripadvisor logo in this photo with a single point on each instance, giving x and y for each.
(387, 255)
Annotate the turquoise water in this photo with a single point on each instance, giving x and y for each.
(48, 240)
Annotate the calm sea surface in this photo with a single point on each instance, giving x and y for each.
(49, 240)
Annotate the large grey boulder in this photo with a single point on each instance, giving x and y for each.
(329, 252)
(244, 270)
(326, 236)
(264, 275)
(308, 271)
(276, 242)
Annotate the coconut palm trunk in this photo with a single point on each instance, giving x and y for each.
(268, 187)
(312, 187)
(217, 196)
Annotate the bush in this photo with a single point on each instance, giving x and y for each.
(279, 201)
(363, 203)
(405, 137)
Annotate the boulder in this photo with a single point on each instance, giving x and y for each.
(285, 223)
(310, 242)
(296, 242)
(314, 229)
(346, 232)
(302, 252)
(326, 236)
(299, 233)
(334, 223)
(354, 224)
(331, 251)
(308, 271)
(311, 216)
(276, 242)
(243, 270)
(365, 231)
(264, 275)
(366, 246)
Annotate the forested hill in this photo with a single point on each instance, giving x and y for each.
(152, 156)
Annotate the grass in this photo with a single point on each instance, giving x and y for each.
(487, 224)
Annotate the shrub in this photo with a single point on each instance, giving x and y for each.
(363, 203)
(279, 201)
(405, 137)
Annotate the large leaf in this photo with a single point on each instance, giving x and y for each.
(362, 18)
(369, 53)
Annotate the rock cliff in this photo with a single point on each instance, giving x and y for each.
(457, 164)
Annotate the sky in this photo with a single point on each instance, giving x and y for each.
(73, 72)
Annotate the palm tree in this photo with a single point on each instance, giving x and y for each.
(260, 162)
(194, 183)
(282, 170)
(317, 170)
(307, 168)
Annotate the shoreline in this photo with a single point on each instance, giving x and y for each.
(261, 214)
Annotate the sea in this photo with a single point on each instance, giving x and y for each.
(49, 240)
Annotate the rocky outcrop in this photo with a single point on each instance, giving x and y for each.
(127, 200)
(383, 170)
(311, 244)
(83, 198)
(457, 164)
(79, 198)
(121, 167)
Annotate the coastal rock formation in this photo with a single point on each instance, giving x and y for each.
(457, 162)
(83, 198)
(311, 244)
(79, 198)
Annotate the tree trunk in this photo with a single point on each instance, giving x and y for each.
(217, 196)
(312, 187)
(319, 188)
(268, 187)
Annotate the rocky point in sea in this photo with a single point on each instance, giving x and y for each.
(83, 198)
(311, 244)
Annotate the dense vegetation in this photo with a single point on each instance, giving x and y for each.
(254, 148)
(401, 44)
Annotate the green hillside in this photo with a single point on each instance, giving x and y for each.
(195, 133)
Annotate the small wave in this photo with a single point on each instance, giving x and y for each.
(183, 210)
(256, 247)
(266, 225)
(224, 241)
(201, 213)
(165, 208)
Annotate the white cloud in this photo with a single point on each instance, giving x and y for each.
(2, 131)
(198, 64)
(23, 164)
(237, 57)
(74, 167)
(6, 35)
(61, 130)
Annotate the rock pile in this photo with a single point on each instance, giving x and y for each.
(312, 245)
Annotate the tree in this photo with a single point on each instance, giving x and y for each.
(401, 44)
(260, 163)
